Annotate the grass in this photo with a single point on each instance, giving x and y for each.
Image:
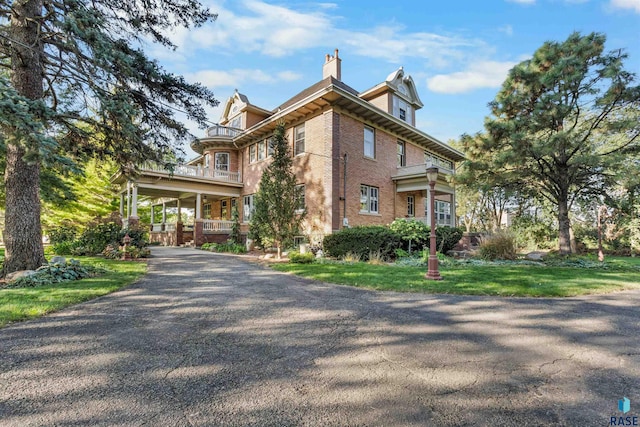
(501, 280)
(18, 304)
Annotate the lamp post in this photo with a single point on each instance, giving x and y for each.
(432, 273)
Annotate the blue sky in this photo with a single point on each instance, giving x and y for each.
(458, 52)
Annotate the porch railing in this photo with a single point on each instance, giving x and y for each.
(193, 171)
(216, 225)
(444, 222)
(218, 130)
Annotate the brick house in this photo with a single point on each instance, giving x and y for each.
(358, 158)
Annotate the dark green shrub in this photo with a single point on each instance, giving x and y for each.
(362, 241)
(228, 246)
(97, 235)
(63, 234)
(63, 248)
(447, 238)
(533, 233)
(298, 258)
(501, 245)
(138, 236)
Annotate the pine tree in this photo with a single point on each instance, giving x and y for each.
(276, 217)
(76, 84)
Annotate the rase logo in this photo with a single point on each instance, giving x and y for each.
(624, 406)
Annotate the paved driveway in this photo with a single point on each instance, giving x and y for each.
(208, 340)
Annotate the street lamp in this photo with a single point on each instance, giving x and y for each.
(432, 273)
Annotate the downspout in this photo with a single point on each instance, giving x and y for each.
(344, 198)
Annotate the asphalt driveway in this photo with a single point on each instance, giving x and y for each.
(213, 340)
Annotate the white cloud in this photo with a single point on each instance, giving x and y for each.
(237, 78)
(483, 74)
(507, 29)
(626, 4)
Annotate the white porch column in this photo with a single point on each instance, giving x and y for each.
(454, 218)
(164, 212)
(198, 206)
(134, 202)
(128, 199)
(153, 211)
(122, 205)
(179, 211)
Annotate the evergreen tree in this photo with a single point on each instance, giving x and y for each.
(276, 216)
(558, 126)
(76, 83)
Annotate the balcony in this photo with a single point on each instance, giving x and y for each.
(193, 171)
(223, 131)
(421, 170)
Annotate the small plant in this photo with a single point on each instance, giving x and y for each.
(351, 257)
(501, 245)
(298, 258)
(55, 273)
(376, 258)
(401, 253)
(228, 246)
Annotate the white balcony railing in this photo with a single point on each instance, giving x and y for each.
(194, 171)
(216, 225)
(443, 222)
(218, 130)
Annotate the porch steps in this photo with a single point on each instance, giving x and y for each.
(189, 244)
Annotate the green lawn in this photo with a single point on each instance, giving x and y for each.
(502, 280)
(26, 303)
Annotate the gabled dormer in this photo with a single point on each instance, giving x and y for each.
(397, 95)
(239, 113)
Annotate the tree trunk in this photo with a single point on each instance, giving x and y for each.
(564, 226)
(23, 232)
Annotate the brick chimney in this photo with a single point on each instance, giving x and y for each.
(332, 66)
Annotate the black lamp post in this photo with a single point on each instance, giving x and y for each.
(432, 273)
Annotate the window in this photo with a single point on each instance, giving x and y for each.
(402, 110)
(247, 209)
(403, 114)
(252, 153)
(369, 142)
(270, 147)
(206, 211)
(222, 161)
(298, 140)
(368, 199)
(223, 209)
(443, 213)
(402, 159)
(261, 150)
(236, 122)
(411, 206)
(300, 198)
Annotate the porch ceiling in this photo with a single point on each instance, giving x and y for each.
(158, 187)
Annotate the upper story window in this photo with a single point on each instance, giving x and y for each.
(402, 110)
(270, 147)
(207, 160)
(402, 157)
(252, 153)
(368, 199)
(403, 114)
(262, 150)
(236, 122)
(298, 140)
(222, 161)
(369, 142)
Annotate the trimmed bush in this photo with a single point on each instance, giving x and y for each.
(414, 233)
(501, 245)
(447, 238)
(298, 258)
(64, 233)
(362, 241)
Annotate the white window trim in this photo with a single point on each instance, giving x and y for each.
(247, 209)
(299, 141)
(373, 142)
(369, 199)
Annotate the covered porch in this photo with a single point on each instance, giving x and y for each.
(181, 206)
(413, 194)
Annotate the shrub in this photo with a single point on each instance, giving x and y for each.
(351, 257)
(63, 248)
(376, 258)
(533, 234)
(228, 246)
(447, 238)
(298, 258)
(64, 233)
(138, 235)
(55, 273)
(414, 233)
(362, 241)
(98, 234)
(501, 245)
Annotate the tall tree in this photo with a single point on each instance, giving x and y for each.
(277, 211)
(558, 125)
(75, 65)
